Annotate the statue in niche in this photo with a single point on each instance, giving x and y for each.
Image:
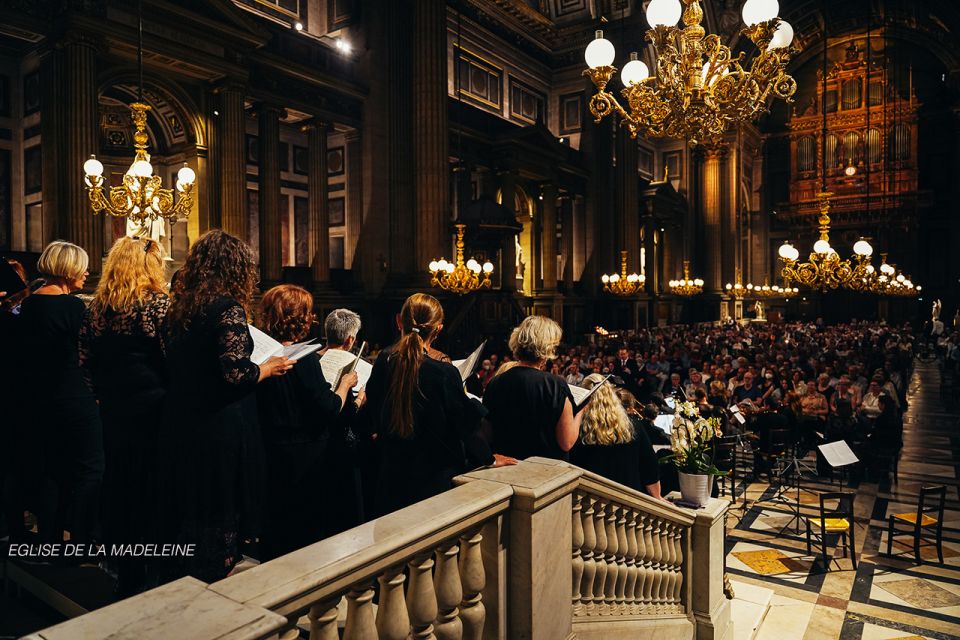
(935, 313)
(152, 229)
(758, 309)
(521, 265)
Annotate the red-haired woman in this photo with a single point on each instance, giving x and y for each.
(214, 440)
(297, 413)
(427, 428)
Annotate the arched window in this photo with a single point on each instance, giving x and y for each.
(851, 94)
(833, 151)
(901, 142)
(873, 146)
(851, 149)
(806, 154)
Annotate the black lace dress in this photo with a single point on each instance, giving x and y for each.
(211, 441)
(122, 362)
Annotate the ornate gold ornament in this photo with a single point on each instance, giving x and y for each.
(699, 88)
(686, 286)
(460, 277)
(141, 197)
(623, 284)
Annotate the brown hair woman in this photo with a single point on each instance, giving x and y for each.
(427, 428)
(213, 437)
(299, 413)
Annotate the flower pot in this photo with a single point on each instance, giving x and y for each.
(695, 488)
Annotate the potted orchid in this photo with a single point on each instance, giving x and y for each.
(694, 449)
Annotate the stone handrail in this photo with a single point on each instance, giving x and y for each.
(542, 550)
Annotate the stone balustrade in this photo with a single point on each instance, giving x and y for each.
(541, 550)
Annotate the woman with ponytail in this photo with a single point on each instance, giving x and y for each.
(427, 428)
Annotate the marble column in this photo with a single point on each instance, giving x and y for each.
(81, 122)
(548, 238)
(232, 162)
(430, 128)
(317, 203)
(354, 160)
(712, 192)
(567, 241)
(508, 250)
(268, 138)
(628, 200)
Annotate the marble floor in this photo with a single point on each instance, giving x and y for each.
(885, 596)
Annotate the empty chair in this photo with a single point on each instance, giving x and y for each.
(834, 521)
(773, 450)
(927, 517)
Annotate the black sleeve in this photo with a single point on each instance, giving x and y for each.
(649, 471)
(234, 346)
(323, 404)
(370, 416)
(465, 415)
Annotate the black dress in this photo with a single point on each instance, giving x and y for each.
(525, 405)
(121, 358)
(212, 440)
(14, 467)
(632, 464)
(297, 414)
(64, 426)
(445, 441)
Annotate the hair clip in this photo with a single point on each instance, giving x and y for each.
(415, 330)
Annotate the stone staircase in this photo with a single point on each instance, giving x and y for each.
(748, 609)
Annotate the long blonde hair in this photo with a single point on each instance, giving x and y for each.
(133, 270)
(605, 421)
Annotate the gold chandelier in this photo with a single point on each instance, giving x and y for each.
(622, 284)
(825, 269)
(886, 281)
(460, 277)
(699, 88)
(141, 197)
(686, 286)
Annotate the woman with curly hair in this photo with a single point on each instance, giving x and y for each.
(609, 444)
(298, 411)
(122, 361)
(427, 428)
(211, 411)
(531, 410)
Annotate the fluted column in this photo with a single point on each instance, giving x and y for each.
(231, 141)
(51, 123)
(430, 127)
(508, 250)
(271, 254)
(354, 221)
(81, 123)
(567, 241)
(732, 241)
(628, 200)
(317, 203)
(712, 192)
(548, 238)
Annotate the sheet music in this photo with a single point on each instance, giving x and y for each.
(838, 454)
(581, 396)
(301, 349)
(264, 347)
(670, 402)
(664, 422)
(469, 364)
(473, 397)
(336, 362)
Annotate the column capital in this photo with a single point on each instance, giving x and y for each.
(269, 108)
(316, 124)
(230, 85)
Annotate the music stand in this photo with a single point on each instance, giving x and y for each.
(798, 467)
(838, 455)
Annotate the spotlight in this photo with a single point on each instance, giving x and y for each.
(298, 26)
(343, 46)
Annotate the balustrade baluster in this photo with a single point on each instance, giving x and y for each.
(393, 621)
(472, 612)
(678, 569)
(589, 565)
(599, 556)
(290, 632)
(657, 565)
(648, 555)
(612, 555)
(360, 622)
(577, 544)
(421, 598)
(630, 586)
(666, 567)
(323, 620)
(449, 594)
(622, 549)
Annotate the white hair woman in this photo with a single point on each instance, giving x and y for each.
(531, 410)
(611, 446)
(66, 429)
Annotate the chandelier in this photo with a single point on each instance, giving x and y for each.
(621, 284)
(685, 286)
(699, 88)
(140, 197)
(460, 277)
(886, 281)
(825, 269)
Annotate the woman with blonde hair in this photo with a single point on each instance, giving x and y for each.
(531, 410)
(426, 427)
(609, 444)
(65, 424)
(122, 361)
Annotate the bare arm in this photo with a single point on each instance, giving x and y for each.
(568, 427)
